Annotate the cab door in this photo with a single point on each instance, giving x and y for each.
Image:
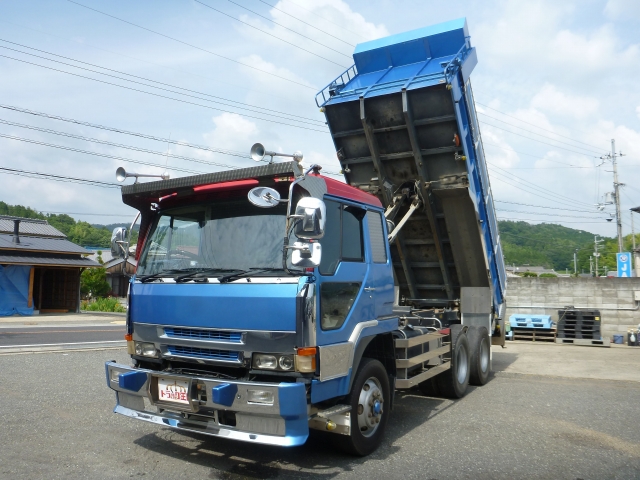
(344, 291)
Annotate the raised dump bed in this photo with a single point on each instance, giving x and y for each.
(404, 126)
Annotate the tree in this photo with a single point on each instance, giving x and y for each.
(93, 281)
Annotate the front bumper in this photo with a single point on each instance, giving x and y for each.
(283, 422)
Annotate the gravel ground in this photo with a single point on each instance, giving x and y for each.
(57, 419)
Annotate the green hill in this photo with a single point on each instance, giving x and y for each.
(549, 245)
(552, 246)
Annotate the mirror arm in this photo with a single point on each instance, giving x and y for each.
(289, 217)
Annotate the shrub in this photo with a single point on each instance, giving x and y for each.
(103, 305)
(93, 281)
(529, 274)
(548, 275)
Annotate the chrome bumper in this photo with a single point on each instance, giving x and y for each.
(283, 422)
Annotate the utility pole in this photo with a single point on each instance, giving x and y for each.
(616, 189)
(595, 253)
(590, 265)
(575, 261)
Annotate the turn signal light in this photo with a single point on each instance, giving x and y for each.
(128, 337)
(306, 359)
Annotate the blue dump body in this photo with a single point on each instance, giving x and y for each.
(403, 122)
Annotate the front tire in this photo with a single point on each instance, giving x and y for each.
(370, 407)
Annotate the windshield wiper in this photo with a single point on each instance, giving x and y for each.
(190, 275)
(244, 273)
(153, 276)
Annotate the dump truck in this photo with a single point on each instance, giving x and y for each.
(274, 300)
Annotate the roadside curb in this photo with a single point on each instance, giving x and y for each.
(105, 314)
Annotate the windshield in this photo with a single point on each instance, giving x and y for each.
(230, 235)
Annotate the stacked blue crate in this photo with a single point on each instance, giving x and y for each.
(526, 326)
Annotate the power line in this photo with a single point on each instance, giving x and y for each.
(535, 139)
(103, 155)
(152, 93)
(539, 157)
(286, 28)
(532, 124)
(539, 134)
(120, 145)
(153, 81)
(57, 178)
(306, 23)
(542, 220)
(538, 189)
(270, 34)
(124, 132)
(541, 206)
(135, 134)
(327, 20)
(194, 46)
(551, 214)
(234, 85)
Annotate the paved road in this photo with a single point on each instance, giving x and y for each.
(55, 412)
(31, 338)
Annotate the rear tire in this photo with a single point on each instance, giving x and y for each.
(453, 383)
(370, 407)
(480, 344)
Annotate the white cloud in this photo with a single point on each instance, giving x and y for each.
(342, 20)
(232, 132)
(552, 100)
(622, 9)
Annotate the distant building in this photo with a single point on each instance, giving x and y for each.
(39, 268)
(514, 270)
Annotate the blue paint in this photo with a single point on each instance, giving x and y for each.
(132, 380)
(224, 394)
(293, 408)
(411, 47)
(238, 306)
(208, 353)
(321, 391)
(377, 407)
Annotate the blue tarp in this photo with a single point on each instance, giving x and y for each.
(14, 290)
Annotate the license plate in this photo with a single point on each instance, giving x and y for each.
(173, 391)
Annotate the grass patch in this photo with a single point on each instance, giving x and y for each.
(103, 305)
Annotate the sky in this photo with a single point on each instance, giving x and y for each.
(554, 84)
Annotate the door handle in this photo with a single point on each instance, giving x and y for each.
(369, 289)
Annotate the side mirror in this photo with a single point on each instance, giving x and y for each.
(119, 244)
(306, 254)
(311, 215)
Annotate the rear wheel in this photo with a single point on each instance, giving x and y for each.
(480, 345)
(453, 383)
(369, 400)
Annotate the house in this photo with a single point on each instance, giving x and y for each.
(119, 280)
(39, 268)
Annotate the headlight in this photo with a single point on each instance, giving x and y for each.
(304, 362)
(285, 362)
(144, 349)
(267, 361)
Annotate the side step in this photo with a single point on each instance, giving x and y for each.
(418, 362)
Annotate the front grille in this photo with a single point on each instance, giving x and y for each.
(194, 333)
(206, 353)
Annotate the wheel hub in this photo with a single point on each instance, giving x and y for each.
(370, 407)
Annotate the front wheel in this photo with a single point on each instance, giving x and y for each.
(370, 401)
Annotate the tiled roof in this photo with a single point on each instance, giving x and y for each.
(39, 244)
(29, 226)
(73, 261)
